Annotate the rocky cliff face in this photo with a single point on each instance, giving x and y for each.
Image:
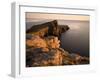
(43, 46)
(46, 51)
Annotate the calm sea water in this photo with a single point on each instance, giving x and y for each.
(76, 39)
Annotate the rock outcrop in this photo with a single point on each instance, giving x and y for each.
(43, 46)
(48, 29)
(46, 51)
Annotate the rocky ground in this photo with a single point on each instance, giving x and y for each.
(43, 47)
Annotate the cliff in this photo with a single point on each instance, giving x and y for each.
(46, 51)
(48, 29)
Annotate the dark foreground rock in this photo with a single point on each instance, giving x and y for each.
(42, 58)
(48, 29)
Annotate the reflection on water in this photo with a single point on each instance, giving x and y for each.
(76, 40)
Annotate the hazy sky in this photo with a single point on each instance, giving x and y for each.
(34, 17)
